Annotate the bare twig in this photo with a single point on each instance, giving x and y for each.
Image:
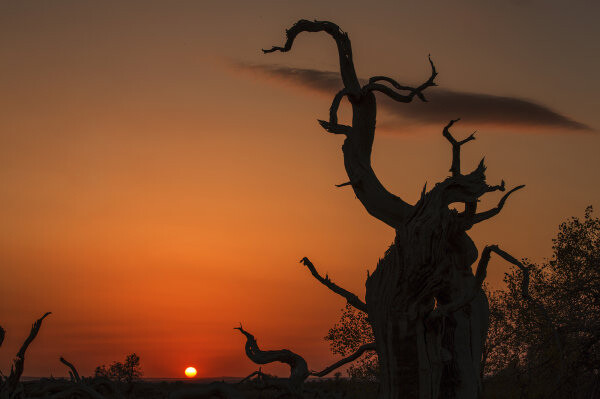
(350, 297)
(362, 349)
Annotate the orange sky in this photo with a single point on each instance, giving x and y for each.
(153, 195)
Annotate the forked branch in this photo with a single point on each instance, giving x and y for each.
(455, 168)
(362, 349)
(350, 297)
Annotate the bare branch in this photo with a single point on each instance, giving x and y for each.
(350, 297)
(336, 128)
(335, 105)
(17, 368)
(455, 168)
(480, 217)
(2, 334)
(344, 184)
(73, 369)
(394, 95)
(258, 372)
(373, 86)
(391, 81)
(298, 367)
(362, 349)
(344, 47)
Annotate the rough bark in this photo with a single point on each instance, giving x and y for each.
(428, 312)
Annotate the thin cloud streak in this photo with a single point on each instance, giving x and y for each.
(473, 108)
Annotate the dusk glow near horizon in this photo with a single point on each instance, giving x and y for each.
(162, 177)
(190, 372)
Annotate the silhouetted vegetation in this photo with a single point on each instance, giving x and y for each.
(127, 371)
(545, 348)
(551, 350)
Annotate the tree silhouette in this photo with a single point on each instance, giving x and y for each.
(427, 309)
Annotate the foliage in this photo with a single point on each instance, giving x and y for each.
(550, 347)
(123, 372)
(347, 335)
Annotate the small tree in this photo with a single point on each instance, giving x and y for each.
(123, 372)
(551, 349)
(346, 336)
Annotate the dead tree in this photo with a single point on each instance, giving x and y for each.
(10, 386)
(428, 312)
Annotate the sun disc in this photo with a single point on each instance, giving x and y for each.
(190, 372)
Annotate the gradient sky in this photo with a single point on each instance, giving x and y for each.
(161, 177)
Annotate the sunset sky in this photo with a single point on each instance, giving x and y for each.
(161, 177)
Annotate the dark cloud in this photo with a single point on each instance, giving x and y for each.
(473, 108)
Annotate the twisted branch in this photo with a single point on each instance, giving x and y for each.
(344, 47)
(298, 367)
(351, 298)
(374, 86)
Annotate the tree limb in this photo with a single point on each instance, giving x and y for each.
(2, 334)
(344, 47)
(350, 297)
(298, 367)
(374, 86)
(362, 349)
(16, 369)
(480, 217)
(455, 168)
(73, 369)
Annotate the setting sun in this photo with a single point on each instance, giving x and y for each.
(190, 372)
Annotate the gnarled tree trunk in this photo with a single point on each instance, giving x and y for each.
(428, 312)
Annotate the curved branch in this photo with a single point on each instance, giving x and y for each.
(17, 368)
(350, 297)
(73, 369)
(298, 367)
(362, 349)
(343, 45)
(335, 105)
(373, 86)
(480, 217)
